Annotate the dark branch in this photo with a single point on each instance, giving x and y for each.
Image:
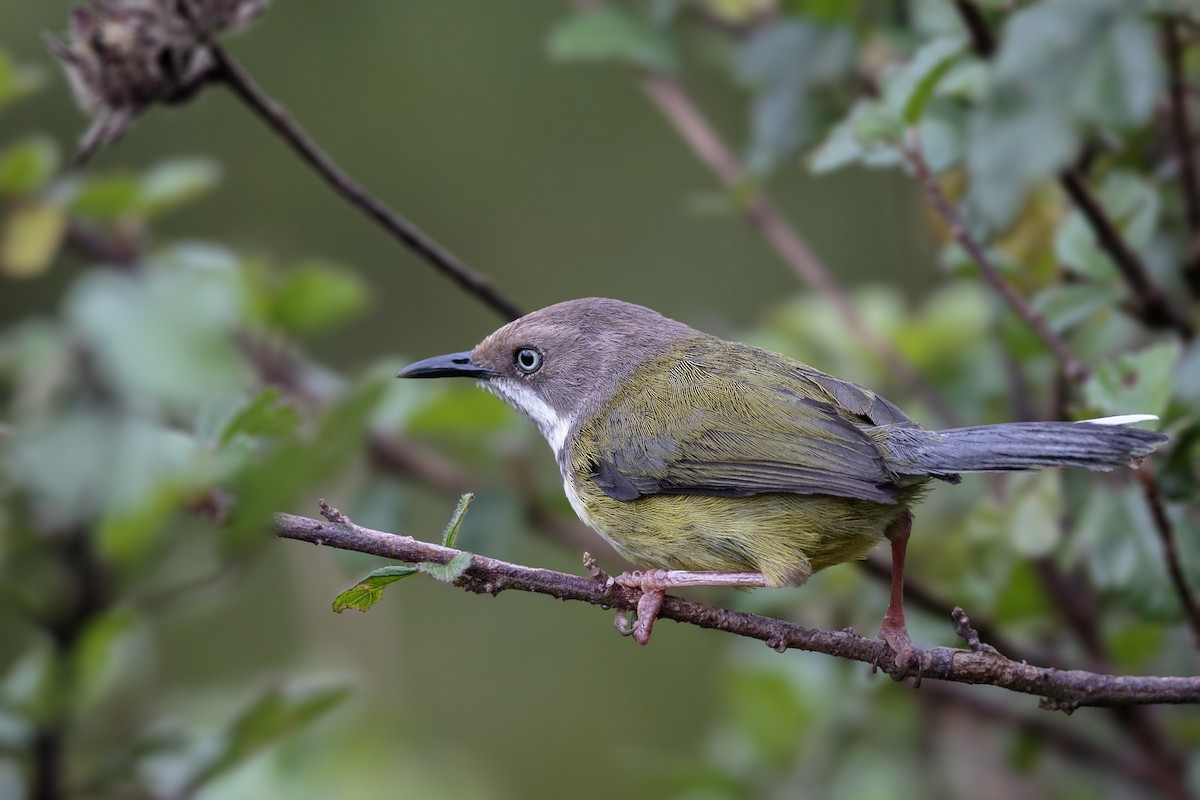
(983, 41)
(229, 72)
(1181, 124)
(1181, 130)
(1061, 689)
(1072, 367)
(1155, 308)
(1166, 536)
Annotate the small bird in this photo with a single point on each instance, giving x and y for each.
(717, 463)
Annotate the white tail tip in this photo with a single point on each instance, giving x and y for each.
(1123, 419)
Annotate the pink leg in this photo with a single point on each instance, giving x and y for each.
(654, 583)
(893, 630)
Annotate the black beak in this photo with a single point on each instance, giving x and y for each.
(454, 365)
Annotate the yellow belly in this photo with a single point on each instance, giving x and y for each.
(786, 537)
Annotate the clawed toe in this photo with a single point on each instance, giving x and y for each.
(908, 663)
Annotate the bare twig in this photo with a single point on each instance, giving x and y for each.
(1062, 689)
(1166, 536)
(669, 96)
(229, 72)
(1073, 367)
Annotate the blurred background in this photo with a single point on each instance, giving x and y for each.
(197, 332)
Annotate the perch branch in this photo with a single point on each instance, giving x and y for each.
(1063, 690)
(229, 72)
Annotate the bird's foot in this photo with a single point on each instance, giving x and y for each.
(653, 586)
(908, 662)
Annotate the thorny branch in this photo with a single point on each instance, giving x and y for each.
(1062, 690)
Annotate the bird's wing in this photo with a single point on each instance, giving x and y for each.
(738, 431)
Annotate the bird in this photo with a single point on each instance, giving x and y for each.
(711, 462)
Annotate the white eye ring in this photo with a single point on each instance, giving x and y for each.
(528, 360)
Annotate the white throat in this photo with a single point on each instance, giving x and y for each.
(527, 401)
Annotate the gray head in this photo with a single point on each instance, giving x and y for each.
(551, 363)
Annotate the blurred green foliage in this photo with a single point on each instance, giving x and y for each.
(153, 422)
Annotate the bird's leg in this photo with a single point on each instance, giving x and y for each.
(893, 631)
(654, 584)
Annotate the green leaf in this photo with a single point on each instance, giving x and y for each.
(166, 337)
(1064, 66)
(30, 238)
(317, 296)
(16, 81)
(1022, 596)
(1035, 516)
(448, 572)
(869, 136)
(784, 63)
(265, 485)
(772, 713)
(369, 590)
(28, 165)
(456, 519)
(263, 415)
(1135, 383)
(1069, 304)
(909, 89)
(270, 718)
(93, 659)
(176, 182)
(107, 199)
(610, 34)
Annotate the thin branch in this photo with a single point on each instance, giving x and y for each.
(1063, 690)
(1166, 536)
(983, 41)
(1181, 129)
(1155, 308)
(1073, 367)
(669, 96)
(229, 72)
(1181, 124)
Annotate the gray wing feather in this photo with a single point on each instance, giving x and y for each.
(742, 434)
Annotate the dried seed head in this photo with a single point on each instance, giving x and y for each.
(122, 56)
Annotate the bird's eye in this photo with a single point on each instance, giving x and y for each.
(528, 360)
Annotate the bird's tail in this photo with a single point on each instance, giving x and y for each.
(1097, 444)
